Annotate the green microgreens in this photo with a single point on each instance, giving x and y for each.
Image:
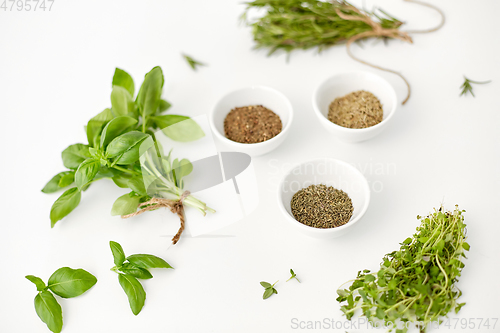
(192, 63)
(466, 86)
(294, 276)
(415, 284)
(270, 290)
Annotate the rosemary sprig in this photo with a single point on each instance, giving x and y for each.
(466, 86)
(192, 63)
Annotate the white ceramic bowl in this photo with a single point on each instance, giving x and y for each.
(342, 84)
(330, 172)
(256, 95)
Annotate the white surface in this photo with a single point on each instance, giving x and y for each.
(330, 172)
(255, 95)
(344, 83)
(55, 73)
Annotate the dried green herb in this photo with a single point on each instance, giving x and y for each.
(467, 88)
(251, 124)
(321, 206)
(359, 109)
(417, 283)
(192, 63)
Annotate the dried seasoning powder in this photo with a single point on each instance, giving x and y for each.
(359, 109)
(322, 206)
(251, 124)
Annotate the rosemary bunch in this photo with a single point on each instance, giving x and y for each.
(298, 24)
(416, 283)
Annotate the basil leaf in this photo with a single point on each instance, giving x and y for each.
(163, 106)
(55, 184)
(67, 282)
(136, 184)
(135, 271)
(64, 205)
(118, 253)
(116, 127)
(125, 204)
(49, 311)
(95, 126)
(148, 98)
(135, 293)
(67, 179)
(86, 172)
(40, 285)
(74, 155)
(125, 148)
(123, 79)
(121, 101)
(185, 129)
(148, 261)
(121, 180)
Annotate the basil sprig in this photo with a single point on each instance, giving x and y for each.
(130, 269)
(66, 283)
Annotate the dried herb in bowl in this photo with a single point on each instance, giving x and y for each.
(321, 206)
(252, 124)
(359, 109)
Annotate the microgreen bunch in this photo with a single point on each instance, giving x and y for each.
(115, 139)
(66, 283)
(131, 268)
(467, 88)
(303, 24)
(417, 282)
(269, 289)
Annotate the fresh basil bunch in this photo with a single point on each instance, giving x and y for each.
(114, 138)
(130, 269)
(66, 283)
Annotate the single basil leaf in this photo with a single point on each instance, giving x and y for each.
(148, 261)
(121, 180)
(268, 293)
(118, 253)
(116, 127)
(49, 311)
(55, 184)
(265, 284)
(125, 148)
(137, 185)
(148, 98)
(40, 285)
(86, 172)
(95, 126)
(123, 79)
(67, 282)
(135, 271)
(125, 205)
(135, 293)
(179, 128)
(164, 106)
(74, 155)
(64, 205)
(121, 101)
(67, 179)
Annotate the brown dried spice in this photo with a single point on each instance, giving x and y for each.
(322, 206)
(359, 109)
(251, 124)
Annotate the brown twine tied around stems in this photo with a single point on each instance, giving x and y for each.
(176, 207)
(379, 31)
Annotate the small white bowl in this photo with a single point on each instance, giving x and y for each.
(330, 172)
(342, 84)
(256, 95)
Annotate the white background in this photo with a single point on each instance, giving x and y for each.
(55, 74)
